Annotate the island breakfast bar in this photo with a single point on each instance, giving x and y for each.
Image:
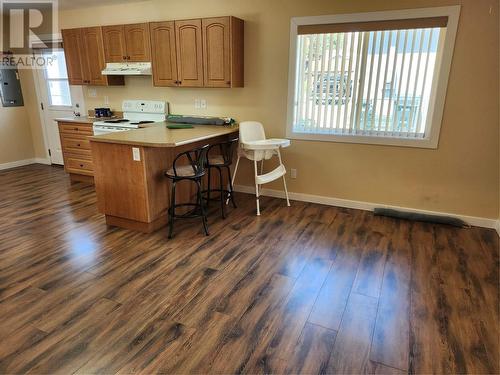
(132, 191)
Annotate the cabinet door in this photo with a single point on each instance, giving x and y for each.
(114, 44)
(92, 37)
(163, 53)
(137, 42)
(216, 52)
(189, 53)
(73, 47)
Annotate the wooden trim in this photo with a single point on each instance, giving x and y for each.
(400, 24)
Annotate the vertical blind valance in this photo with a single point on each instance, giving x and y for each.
(403, 24)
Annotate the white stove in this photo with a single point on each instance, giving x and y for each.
(135, 114)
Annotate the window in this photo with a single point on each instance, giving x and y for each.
(371, 77)
(56, 77)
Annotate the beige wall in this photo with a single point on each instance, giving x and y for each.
(15, 135)
(16, 142)
(461, 176)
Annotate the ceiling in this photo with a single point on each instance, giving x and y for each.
(75, 4)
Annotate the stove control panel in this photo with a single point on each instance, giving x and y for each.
(145, 106)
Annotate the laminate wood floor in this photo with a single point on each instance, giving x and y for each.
(306, 289)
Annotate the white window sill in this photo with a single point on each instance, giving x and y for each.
(382, 141)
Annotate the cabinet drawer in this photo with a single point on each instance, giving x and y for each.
(67, 128)
(78, 145)
(78, 163)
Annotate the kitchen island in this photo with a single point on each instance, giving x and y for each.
(132, 190)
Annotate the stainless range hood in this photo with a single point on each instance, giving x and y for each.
(128, 69)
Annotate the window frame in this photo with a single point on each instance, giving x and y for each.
(438, 91)
(47, 88)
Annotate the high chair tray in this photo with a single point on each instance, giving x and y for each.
(266, 144)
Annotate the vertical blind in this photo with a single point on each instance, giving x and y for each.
(371, 83)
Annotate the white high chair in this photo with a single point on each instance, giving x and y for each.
(254, 146)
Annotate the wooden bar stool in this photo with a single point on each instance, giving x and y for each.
(193, 171)
(219, 161)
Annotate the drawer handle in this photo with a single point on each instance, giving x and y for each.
(81, 165)
(78, 144)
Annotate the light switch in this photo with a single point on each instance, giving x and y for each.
(136, 154)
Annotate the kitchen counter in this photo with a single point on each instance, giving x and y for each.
(160, 136)
(129, 171)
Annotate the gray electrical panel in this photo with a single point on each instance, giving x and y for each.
(10, 88)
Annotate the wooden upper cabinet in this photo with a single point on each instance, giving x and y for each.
(163, 53)
(92, 41)
(137, 42)
(223, 52)
(189, 49)
(72, 41)
(84, 53)
(216, 52)
(114, 43)
(187, 53)
(127, 43)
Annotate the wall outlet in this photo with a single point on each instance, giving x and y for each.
(106, 100)
(197, 104)
(293, 173)
(92, 93)
(136, 154)
(203, 103)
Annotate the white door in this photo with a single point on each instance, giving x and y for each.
(56, 99)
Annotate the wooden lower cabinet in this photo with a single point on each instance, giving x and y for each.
(76, 150)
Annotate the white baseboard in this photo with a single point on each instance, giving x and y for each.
(20, 163)
(367, 206)
(45, 161)
(17, 163)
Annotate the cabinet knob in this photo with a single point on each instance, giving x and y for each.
(124, 57)
(78, 144)
(81, 165)
(75, 129)
(228, 82)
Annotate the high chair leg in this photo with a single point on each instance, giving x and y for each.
(261, 171)
(235, 169)
(256, 188)
(232, 180)
(284, 181)
(286, 192)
